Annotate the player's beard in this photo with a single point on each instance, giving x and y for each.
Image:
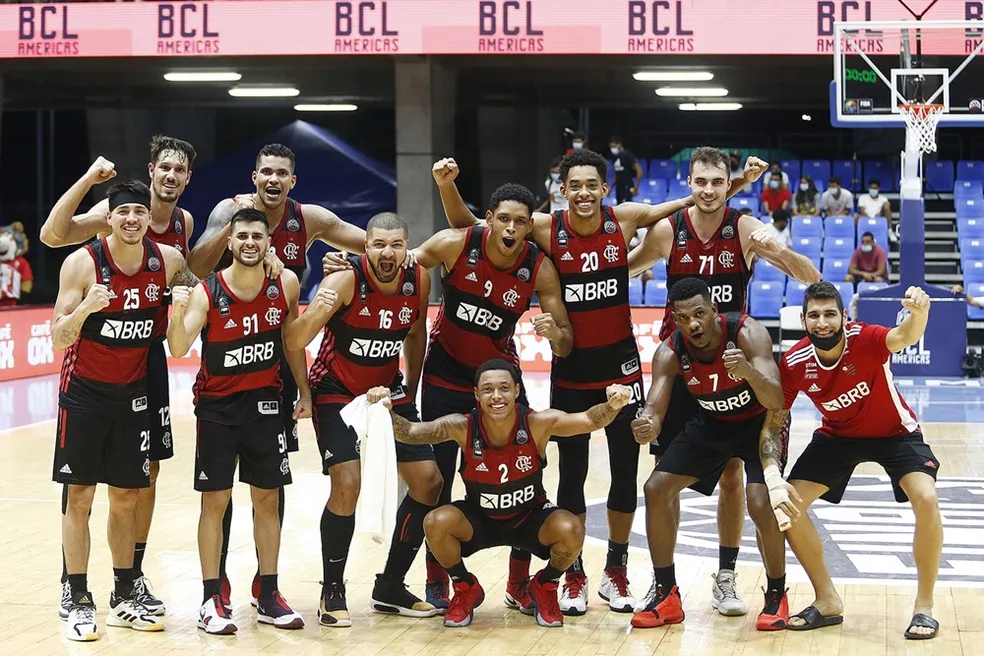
(827, 343)
(237, 255)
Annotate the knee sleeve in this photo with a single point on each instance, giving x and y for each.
(446, 455)
(573, 473)
(623, 459)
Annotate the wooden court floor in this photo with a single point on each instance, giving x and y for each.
(876, 608)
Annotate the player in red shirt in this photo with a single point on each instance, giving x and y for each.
(726, 362)
(109, 295)
(504, 445)
(15, 271)
(241, 315)
(843, 368)
(170, 166)
(369, 312)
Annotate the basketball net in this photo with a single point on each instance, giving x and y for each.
(921, 121)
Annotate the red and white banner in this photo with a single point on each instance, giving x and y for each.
(472, 27)
(26, 348)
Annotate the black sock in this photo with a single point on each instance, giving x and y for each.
(550, 574)
(212, 587)
(727, 557)
(281, 504)
(516, 553)
(64, 576)
(268, 585)
(124, 582)
(618, 555)
(665, 576)
(457, 572)
(138, 554)
(577, 567)
(77, 582)
(777, 584)
(226, 530)
(336, 538)
(408, 535)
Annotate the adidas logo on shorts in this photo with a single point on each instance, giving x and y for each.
(65, 470)
(202, 476)
(471, 276)
(481, 467)
(327, 454)
(566, 257)
(814, 388)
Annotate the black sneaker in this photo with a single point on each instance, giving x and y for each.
(393, 597)
(333, 610)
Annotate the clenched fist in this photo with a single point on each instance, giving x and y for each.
(618, 396)
(244, 201)
(96, 299)
(766, 240)
(645, 429)
(324, 300)
(445, 171)
(101, 170)
(736, 363)
(916, 300)
(179, 297)
(545, 326)
(379, 394)
(754, 168)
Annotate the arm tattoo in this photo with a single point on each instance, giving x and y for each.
(428, 432)
(770, 446)
(601, 415)
(184, 277)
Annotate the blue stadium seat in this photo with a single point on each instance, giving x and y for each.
(750, 202)
(646, 199)
(765, 299)
(656, 293)
(977, 291)
(678, 189)
(654, 187)
(609, 200)
(806, 226)
(969, 208)
(973, 271)
(808, 246)
(659, 270)
(662, 168)
(795, 291)
(849, 172)
(868, 286)
(970, 170)
(818, 169)
(970, 228)
(968, 189)
(791, 167)
(971, 249)
(765, 271)
(821, 185)
(838, 249)
(881, 171)
(840, 227)
(939, 176)
(846, 290)
(635, 291)
(834, 269)
(877, 226)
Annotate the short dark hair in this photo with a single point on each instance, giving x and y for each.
(746, 210)
(579, 135)
(688, 288)
(498, 365)
(161, 144)
(833, 180)
(388, 221)
(249, 215)
(276, 150)
(615, 139)
(868, 233)
(512, 191)
(874, 181)
(555, 163)
(136, 189)
(583, 158)
(780, 215)
(820, 291)
(712, 156)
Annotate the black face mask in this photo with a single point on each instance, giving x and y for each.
(826, 343)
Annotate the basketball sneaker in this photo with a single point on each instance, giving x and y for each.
(274, 609)
(131, 614)
(518, 595)
(255, 591)
(225, 594)
(214, 618)
(333, 610)
(141, 590)
(546, 608)
(614, 589)
(725, 599)
(393, 597)
(80, 624)
(775, 613)
(574, 596)
(65, 606)
(468, 595)
(659, 608)
(436, 589)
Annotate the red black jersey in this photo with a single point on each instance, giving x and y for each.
(594, 274)
(716, 390)
(176, 237)
(720, 262)
(362, 341)
(479, 312)
(288, 240)
(109, 359)
(241, 348)
(507, 481)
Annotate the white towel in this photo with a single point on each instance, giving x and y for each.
(382, 488)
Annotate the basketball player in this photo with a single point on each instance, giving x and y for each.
(719, 245)
(241, 315)
(504, 445)
(491, 272)
(726, 362)
(587, 244)
(293, 227)
(171, 162)
(843, 368)
(109, 298)
(369, 312)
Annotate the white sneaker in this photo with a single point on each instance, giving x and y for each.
(614, 589)
(725, 598)
(574, 598)
(65, 606)
(80, 625)
(213, 618)
(141, 590)
(131, 614)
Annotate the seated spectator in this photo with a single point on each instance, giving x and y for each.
(837, 201)
(779, 173)
(869, 262)
(807, 200)
(958, 290)
(578, 141)
(874, 204)
(775, 196)
(780, 227)
(15, 271)
(555, 200)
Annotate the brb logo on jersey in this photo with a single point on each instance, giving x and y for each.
(249, 354)
(507, 500)
(722, 293)
(728, 404)
(375, 348)
(591, 291)
(126, 330)
(848, 398)
(478, 316)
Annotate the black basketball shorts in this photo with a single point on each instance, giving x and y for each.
(288, 395)
(159, 400)
(571, 400)
(522, 532)
(259, 447)
(682, 409)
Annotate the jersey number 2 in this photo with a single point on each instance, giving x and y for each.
(504, 470)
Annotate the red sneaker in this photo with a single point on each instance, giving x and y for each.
(545, 604)
(256, 591)
(468, 595)
(518, 596)
(225, 594)
(660, 609)
(775, 613)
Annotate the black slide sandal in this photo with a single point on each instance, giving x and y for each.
(814, 620)
(923, 620)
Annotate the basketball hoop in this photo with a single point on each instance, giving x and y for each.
(921, 121)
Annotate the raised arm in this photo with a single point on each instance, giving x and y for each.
(61, 228)
(325, 225)
(296, 357)
(753, 361)
(912, 328)
(415, 343)
(75, 303)
(459, 216)
(653, 247)
(553, 322)
(666, 366)
(557, 423)
(214, 241)
(760, 240)
(334, 293)
(189, 311)
(442, 248)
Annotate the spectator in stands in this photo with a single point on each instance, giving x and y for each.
(16, 278)
(775, 195)
(780, 227)
(736, 169)
(628, 172)
(869, 262)
(578, 141)
(874, 204)
(777, 171)
(807, 200)
(555, 200)
(978, 301)
(837, 201)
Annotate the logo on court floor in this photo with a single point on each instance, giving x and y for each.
(867, 536)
